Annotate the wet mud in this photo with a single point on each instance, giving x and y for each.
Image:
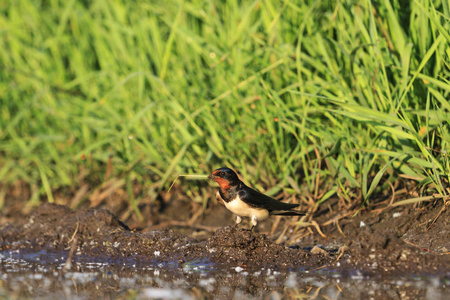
(401, 242)
(99, 233)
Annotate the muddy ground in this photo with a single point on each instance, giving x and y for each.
(183, 250)
(397, 240)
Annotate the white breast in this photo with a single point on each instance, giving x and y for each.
(240, 208)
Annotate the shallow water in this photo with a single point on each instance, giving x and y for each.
(25, 274)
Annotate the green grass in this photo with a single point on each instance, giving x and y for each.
(319, 99)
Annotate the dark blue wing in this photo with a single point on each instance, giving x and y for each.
(259, 200)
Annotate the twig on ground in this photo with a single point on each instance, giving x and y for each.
(75, 232)
(426, 249)
(74, 240)
(444, 207)
(341, 252)
(68, 264)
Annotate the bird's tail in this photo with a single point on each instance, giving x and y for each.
(287, 213)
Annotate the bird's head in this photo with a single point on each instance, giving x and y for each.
(225, 177)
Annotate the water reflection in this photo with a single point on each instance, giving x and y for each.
(40, 274)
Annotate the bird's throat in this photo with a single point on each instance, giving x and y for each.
(223, 183)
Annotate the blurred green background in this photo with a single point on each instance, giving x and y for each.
(319, 98)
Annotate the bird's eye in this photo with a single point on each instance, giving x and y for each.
(221, 174)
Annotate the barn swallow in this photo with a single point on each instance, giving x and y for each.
(246, 202)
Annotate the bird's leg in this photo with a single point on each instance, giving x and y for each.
(238, 220)
(254, 222)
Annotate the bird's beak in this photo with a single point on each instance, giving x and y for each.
(212, 176)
